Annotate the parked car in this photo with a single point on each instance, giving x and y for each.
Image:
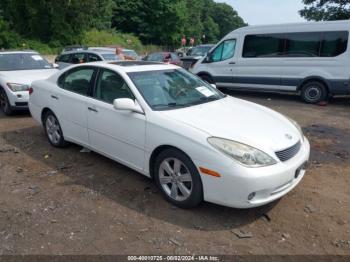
(128, 53)
(181, 52)
(168, 124)
(131, 53)
(79, 57)
(17, 71)
(164, 57)
(311, 59)
(194, 54)
(74, 48)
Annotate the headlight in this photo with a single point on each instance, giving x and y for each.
(297, 126)
(244, 154)
(17, 87)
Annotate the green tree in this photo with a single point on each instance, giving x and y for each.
(193, 26)
(226, 18)
(102, 13)
(8, 38)
(51, 20)
(326, 10)
(154, 21)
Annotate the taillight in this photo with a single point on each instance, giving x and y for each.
(30, 90)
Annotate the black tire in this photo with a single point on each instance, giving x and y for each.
(314, 92)
(51, 133)
(5, 103)
(195, 196)
(207, 78)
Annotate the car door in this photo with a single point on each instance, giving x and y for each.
(117, 134)
(71, 102)
(221, 62)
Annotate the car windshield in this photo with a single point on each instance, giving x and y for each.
(110, 57)
(174, 88)
(131, 53)
(200, 50)
(22, 61)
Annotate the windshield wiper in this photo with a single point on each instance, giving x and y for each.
(168, 105)
(209, 98)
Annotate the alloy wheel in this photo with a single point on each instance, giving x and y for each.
(175, 179)
(53, 129)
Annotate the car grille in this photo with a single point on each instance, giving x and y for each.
(288, 153)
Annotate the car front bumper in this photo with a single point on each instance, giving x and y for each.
(18, 100)
(267, 184)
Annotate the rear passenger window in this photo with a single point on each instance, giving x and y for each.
(77, 81)
(303, 44)
(93, 58)
(111, 86)
(334, 43)
(263, 45)
(79, 58)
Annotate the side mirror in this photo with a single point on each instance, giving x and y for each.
(54, 65)
(127, 104)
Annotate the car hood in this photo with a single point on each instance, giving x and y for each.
(26, 77)
(240, 121)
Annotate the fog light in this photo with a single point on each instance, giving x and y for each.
(251, 196)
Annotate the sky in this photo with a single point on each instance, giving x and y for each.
(260, 12)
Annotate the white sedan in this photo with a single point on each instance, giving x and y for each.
(166, 123)
(17, 71)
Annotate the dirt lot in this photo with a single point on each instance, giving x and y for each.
(62, 201)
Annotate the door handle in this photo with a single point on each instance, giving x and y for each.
(232, 63)
(54, 97)
(92, 109)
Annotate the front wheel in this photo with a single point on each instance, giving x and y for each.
(178, 179)
(53, 130)
(5, 103)
(314, 92)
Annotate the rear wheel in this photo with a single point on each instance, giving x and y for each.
(314, 92)
(5, 103)
(178, 179)
(53, 130)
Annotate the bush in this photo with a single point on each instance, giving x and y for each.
(111, 38)
(41, 47)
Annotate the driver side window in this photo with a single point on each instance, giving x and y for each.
(224, 51)
(111, 86)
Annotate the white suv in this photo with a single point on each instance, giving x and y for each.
(17, 71)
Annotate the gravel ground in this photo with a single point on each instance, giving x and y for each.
(62, 201)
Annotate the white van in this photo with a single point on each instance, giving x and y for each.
(312, 59)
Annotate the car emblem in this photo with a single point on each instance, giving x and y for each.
(288, 136)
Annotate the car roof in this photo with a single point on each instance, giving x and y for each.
(339, 24)
(134, 66)
(91, 51)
